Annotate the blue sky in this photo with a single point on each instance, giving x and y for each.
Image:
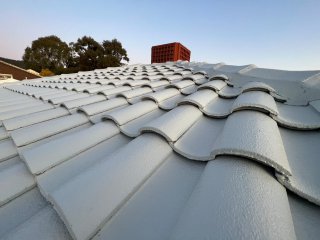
(282, 34)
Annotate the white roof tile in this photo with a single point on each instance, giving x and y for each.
(303, 151)
(132, 163)
(7, 149)
(174, 123)
(199, 98)
(82, 101)
(48, 181)
(15, 180)
(43, 130)
(32, 118)
(255, 100)
(130, 113)
(46, 156)
(233, 198)
(298, 117)
(258, 138)
(99, 175)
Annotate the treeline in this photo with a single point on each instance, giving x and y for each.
(50, 55)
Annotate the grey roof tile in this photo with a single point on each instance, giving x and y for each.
(316, 105)
(57, 153)
(199, 98)
(53, 95)
(218, 107)
(103, 106)
(98, 89)
(280, 74)
(59, 100)
(100, 174)
(156, 84)
(5, 109)
(302, 149)
(215, 85)
(219, 76)
(20, 210)
(257, 86)
(132, 128)
(298, 117)
(182, 84)
(26, 110)
(3, 133)
(43, 130)
(33, 118)
(7, 150)
(229, 92)
(227, 204)
(48, 181)
(306, 217)
(174, 123)
(46, 224)
(162, 95)
(255, 100)
(258, 138)
(172, 102)
(14, 180)
(135, 92)
(189, 90)
(197, 142)
(169, 188)
(123, 116)
(75, 103)
(131, 162)
(113, 91)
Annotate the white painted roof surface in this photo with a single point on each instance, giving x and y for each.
(161, 151)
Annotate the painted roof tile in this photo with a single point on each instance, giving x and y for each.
(211, 150)
(57, 153)
(132, 163)
(255, 100)
(174, 123)
(43, 130)
(298, 117)
(258, 138)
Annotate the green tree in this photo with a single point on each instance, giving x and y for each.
(47, 53)
(87, 54)
(114, 53)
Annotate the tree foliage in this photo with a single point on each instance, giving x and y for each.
(47, 53)
(85, 54)
(114, 48)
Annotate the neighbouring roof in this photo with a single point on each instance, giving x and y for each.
(17, 72)
(163, 151)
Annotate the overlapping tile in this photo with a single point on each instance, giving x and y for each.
(136, 165)
(115, 164)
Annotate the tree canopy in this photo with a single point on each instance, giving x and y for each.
(47, 53)
(85, 54)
